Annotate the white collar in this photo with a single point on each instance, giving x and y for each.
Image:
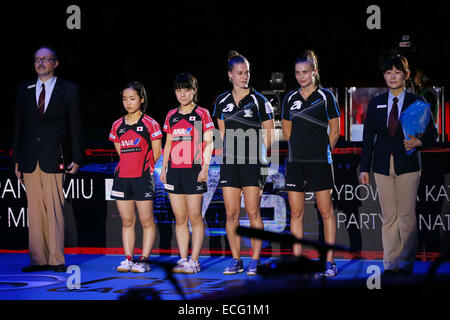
(47, 83)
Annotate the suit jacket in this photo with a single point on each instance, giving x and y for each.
(377, 141)
(53, 140)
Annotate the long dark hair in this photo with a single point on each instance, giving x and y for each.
(140, 89)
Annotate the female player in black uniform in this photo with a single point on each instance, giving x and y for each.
(187, 153)
(307, 113)
(137, 139)
(241, 114)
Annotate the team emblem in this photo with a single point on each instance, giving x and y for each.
(296, 105)
(228, 108)
(248, 113)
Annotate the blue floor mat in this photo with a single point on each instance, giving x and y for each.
(99, 280)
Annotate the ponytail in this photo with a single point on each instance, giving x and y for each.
(310, 57)
(235, 57)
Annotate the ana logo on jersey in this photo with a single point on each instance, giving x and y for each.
(181, 131)
(228, 108)
(296, 105)
(131, 142)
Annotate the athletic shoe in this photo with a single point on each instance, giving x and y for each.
(236, 266)
(195, 265)
(182, 266)
(252, 269)
(125, 265)
(330, 269)
(187, 266)
(142, 265)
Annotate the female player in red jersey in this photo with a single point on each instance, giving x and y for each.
(184, 172)
(137, 139)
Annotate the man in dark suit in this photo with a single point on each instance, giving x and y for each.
(397, 174)
(47, 125)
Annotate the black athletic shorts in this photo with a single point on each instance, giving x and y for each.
(309, 176)
(243, 175)
(141, 189)
(184, 181)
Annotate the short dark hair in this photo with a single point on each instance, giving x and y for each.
(50, 48)
(186, 81)
(397, 61)
(140, 89)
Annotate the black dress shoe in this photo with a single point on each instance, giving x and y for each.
(59, 268)
(388, 273)
(405, 272)
(36, 268)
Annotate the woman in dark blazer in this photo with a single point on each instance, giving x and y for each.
(397, 174)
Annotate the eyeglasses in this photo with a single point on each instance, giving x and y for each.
(44, 59)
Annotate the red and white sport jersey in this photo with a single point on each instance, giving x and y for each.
(136, 156)
(187, 136)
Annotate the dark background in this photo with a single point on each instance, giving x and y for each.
(152, 42)
(149, 42)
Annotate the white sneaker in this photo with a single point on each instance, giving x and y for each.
(141, 266)
(125, 265)
(187, 266)
(195, 265)
(178, 268)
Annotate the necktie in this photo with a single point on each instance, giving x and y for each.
(393, 118)
(41, 104)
